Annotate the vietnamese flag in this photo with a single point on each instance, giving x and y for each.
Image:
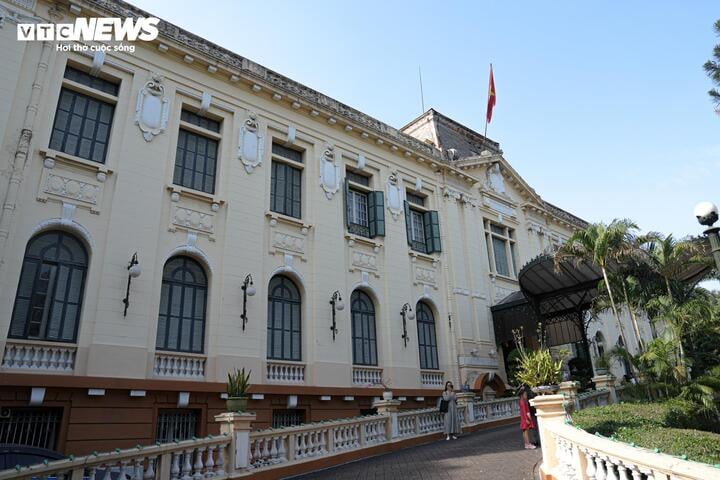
(491, 97)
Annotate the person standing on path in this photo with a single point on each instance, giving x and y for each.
(526, 420)
(448, 404)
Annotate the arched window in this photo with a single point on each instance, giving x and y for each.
(363, 329)
(284, 320)
(181, 321)
(49, 295)
(600, 344)
(426, 337)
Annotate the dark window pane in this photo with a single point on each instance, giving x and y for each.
(83, 121)
(202, 122)
(181, 320)
(88, 80)
(285, 190)
(284, 320)
(427, 342)
(287, 153)
(49, 295)
(195, 162)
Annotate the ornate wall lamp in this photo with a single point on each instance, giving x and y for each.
(406, 311)
(134, 271)
(248, 291)
(337, 303)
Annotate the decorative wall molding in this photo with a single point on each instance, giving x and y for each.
(190, 219)
(426, 276)
(288, 242)
(97, 63)
(363, 260)
(498, 206)
(14, 17)
(395, 195)
(251, 148)
(152, 109)
(65, 223)
(69, 186)
(495, 180)
(329, 174)
(190, 248)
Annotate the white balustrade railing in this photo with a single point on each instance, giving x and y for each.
(41, 356)
(582, 456)
(179, 366)
(367, 376)
(285, 372)
(496, 409)
(431, 378)
(594, 398)
(304, 442)
(187, 460)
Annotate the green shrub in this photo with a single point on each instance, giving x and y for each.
(672, 426)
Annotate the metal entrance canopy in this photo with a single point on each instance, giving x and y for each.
(554, 296)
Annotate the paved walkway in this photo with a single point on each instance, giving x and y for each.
(496, 454)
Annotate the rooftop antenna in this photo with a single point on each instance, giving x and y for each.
(422, 97)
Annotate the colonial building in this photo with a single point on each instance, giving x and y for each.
(176, 212)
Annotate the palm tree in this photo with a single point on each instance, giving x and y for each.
(603, 246)
(669, 258)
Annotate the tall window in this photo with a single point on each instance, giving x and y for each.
(181, 322)
(197, 151)
(364, 208)
(426, 337)
(49, 295)
(363, 329)
(501, 248)
(421, 225)
(84, 115)
(284, 320)
(286, 181)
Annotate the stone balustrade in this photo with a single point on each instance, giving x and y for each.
(367, 376)
(285, 372)
(39, 356)
(179, 366)
(432, 378)
(238, 452)
(582, 456)
(594, 398)
(495, 409)
(186, 460)
(574, 454)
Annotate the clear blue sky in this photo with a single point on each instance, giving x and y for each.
(601, 106)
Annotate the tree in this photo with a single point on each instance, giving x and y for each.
(670, 258)
(712, 67)
(603, 246)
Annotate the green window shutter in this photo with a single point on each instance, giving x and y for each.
(376, 214)
(346, 203)
(408, 223)
(432, 231)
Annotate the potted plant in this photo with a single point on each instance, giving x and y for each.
(387, 393)
(237, 388)
(602, 364)
(538, 369)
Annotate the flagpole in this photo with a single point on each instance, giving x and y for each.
(486, 106)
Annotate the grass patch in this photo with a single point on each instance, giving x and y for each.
(652, 425)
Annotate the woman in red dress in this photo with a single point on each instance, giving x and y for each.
(526, 420)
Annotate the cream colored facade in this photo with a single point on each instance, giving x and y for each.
(130, 204)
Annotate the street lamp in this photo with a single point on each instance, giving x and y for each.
(134, 271)
(406, 311)
(707, 214)
(248, 291)
(337, 303)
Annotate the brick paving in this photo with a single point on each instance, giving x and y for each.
(496, 454)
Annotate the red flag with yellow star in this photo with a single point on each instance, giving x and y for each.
(491, 97)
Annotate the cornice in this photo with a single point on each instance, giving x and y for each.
(236, 68)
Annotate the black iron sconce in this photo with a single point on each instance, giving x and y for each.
(248, 291)
(337, 303)
(406, 311)
(133, 272)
